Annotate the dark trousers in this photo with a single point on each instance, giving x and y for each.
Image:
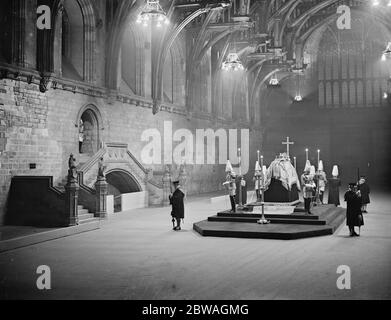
(178, 221)
(307, 204)
(321, 197)
(233, 204)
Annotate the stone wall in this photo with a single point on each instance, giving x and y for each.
(40, 128)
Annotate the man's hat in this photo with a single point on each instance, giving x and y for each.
(335, 172)
(233, 174)
(176, 182)
(352, 184)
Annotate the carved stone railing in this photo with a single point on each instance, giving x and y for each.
(117, 156)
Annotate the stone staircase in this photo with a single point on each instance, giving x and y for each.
(84, 215)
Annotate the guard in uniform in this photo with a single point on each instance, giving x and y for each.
(307, 180)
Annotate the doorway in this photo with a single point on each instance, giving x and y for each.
(88, 133)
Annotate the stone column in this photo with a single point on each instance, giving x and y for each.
(166, 186)
(277, 28)
(101, 197)
(71, 201)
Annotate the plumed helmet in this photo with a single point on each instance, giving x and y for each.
(228, 167)
(320, 165)
(307, 166)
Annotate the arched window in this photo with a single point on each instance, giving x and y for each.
(71, 51)
(321, 94)
(133, 63)
(351, 60)
(72, 41)
(174, 77)
(6, 30)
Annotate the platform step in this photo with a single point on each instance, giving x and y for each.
(272, 220)
(324, 221)
(252, 230)
(268, 216)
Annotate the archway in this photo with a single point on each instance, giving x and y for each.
(88, 132)
(120, 182)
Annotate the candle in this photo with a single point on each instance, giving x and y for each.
(240, 162)
(258, 155)
(306, 154)
(318, 158)
(294, 161)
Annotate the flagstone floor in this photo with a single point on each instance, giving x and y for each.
(136, 255)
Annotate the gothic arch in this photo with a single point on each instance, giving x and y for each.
(48, 45)
(125, 180)
(125, 14)
(94, 117)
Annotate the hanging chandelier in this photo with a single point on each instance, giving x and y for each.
(232, 63)
(386, 53)
(274, 81)
(152, 12)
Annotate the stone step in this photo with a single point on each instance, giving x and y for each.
(82, 211)
(88, 220)
(85, 216)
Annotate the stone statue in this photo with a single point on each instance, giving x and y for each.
(72, 172)
(101, 168)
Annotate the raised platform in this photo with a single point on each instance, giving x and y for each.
(324, 221)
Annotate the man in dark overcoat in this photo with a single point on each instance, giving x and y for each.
(178, 208)
(353, 209)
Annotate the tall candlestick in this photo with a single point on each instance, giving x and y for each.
(240, 162)
(318, 158)
(294, 161)
(306, 155)
(261, 161)
(258, 155)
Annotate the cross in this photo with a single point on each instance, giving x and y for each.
(287, 145)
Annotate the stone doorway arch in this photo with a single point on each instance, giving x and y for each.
(89, 126)
(121, 182)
